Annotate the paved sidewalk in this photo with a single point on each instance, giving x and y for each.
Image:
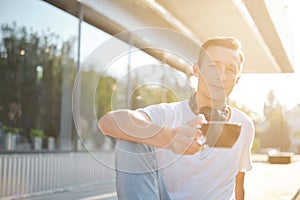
(104, 191)
(272, 181)
(264, 182)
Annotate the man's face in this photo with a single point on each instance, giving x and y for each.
(219, 72)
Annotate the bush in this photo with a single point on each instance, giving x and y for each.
(37, 133)
(12, 130)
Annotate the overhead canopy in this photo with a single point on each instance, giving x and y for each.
(248, 20)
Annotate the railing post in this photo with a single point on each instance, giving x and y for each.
(37, 143)
(10, 142)
(50, 143)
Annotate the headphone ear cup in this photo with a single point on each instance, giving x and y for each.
(207, 112)
(219, 115)
(212, 114)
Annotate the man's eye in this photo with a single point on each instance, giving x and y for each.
(231, 70)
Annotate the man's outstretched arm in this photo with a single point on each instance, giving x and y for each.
(137, 127)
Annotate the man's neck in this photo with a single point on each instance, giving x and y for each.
(203, 101)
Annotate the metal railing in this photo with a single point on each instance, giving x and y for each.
(24, 175)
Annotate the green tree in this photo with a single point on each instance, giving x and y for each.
(277, 134)
(269, 104)
(31, 66)
(104, 94)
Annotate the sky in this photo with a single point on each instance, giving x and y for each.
(251, 90)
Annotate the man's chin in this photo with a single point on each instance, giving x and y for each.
(217, 96)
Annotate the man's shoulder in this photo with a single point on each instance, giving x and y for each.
(167, 111)
(170, 105)
(242, 117)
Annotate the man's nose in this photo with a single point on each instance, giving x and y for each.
(222, 73)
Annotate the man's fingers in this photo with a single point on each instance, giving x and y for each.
(193, 122)
(185, 141)
(201, 119)
(193, 148)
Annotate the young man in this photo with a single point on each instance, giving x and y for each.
(158, 155)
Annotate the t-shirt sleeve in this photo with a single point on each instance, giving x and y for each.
(245, 160)
(157, 113)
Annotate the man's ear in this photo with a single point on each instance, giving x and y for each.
(237, 79)
(195, 69)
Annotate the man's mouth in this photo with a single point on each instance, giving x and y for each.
(220, 87)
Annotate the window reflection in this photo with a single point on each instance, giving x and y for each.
(37, 70)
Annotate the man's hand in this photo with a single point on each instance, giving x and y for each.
(184, 139)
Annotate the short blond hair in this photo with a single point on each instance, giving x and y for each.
(223, 41)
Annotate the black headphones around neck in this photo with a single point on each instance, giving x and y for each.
(209, 113)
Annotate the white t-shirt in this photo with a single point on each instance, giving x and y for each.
(209, 174)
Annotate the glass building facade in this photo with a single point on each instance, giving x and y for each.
(48, 58)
